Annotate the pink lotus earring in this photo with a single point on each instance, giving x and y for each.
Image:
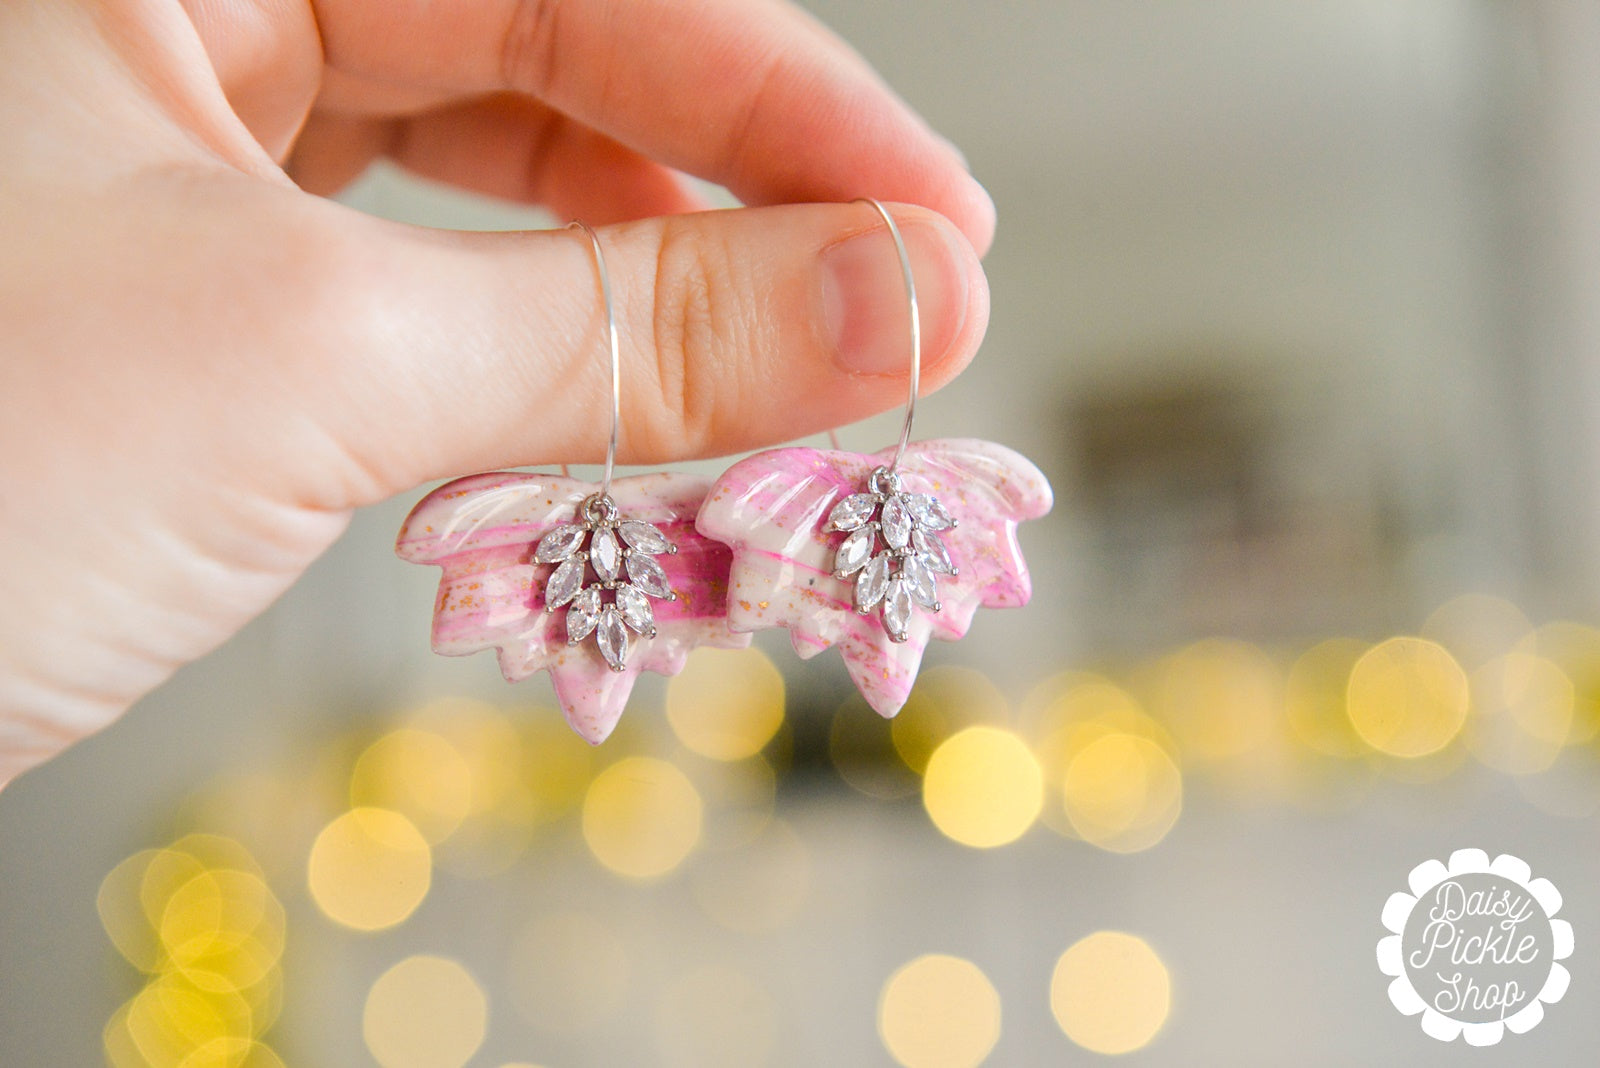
(876, 554)
(593, 583)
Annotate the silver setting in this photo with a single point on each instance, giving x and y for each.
(607, 546)
(892, 549)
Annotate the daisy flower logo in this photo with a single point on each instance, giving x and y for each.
(1475, 947)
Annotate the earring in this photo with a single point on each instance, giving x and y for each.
(593, 583)
(876, 554)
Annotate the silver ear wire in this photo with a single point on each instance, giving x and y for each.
(916, 327)
(616, 349)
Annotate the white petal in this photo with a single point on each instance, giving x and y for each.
(1555, 986)
(1526, 1018)
(605, 554)
(613, 638)
(1468, 862)
(897, 608)
(896, 522)
(919, 580)
(854, 551)
(851, 512)
(873, 582)
(1397, 910)
(649, 576)
(635, 608)
(1484, 1034)
(1389, 959)
(1426, 876)
(565, 582)
(582, 614)
(1404, 996)
(559, 544)
(1561, 931)
(643, 537)
(1545, 893)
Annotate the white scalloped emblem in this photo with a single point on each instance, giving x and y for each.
(1475, 947)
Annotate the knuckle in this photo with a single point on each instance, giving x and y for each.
(528, 50)
(696, 316)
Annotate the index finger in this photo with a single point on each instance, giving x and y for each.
(752, 94)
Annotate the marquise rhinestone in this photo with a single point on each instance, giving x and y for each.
(919, 580)
(613, 638)
(873, 582)
(928, 546)
(582, 614)
(643, 537)
(929, 513)
(565, 582)
(897, 608)
(605, 553)
(636, 610)
(648, 575)
(853, 511)
(896, 522)
(855, 551)
(559, 544)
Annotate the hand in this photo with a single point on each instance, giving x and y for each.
(208, 367)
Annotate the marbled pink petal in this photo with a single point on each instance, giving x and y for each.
(772, 509)
(482, 531)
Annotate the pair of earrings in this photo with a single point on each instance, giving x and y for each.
(595, 583)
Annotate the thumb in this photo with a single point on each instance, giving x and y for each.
(738, 329)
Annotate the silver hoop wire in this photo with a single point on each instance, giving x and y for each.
(916, 327)
(616, 349)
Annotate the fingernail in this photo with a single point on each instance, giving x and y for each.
(865, 313)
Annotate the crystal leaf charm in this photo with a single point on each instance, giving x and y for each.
(901, 574)
(613, 637)
(615, 546)
(565, 582)
(856, 551)
(852, 512)
(642, 537)
(636, 610)
(560, 543)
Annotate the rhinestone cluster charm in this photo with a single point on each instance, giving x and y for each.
(902, 571)
(619, 552)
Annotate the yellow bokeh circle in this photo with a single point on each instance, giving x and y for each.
(641, 817)
(939, 1011)
(1122, 792)
(369, 869)
(425, 1012)
(1407, 697)
(983, 787)
(1110, 992)
(727, 703)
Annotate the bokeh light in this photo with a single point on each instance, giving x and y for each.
(1407, 697)
(425, 1012)
(1314, 701)
(715, 1016)
(726, 704)
(1222, 699)
(198, 919)
(1575, 647)
(1476, 628)
(983, 787)
(369, 869)
(1122, 792)
(1522, 708)
(945, 699)
(641, 817)
(419, 775)
(1110, 992)
(568, 971)
(939, 1011)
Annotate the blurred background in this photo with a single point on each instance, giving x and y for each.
(1298, 305)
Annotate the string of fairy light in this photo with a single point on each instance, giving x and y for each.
(469, 788)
